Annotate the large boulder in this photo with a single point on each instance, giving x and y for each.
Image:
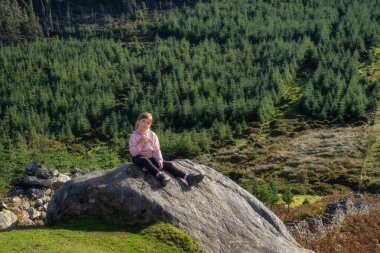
(219, 213)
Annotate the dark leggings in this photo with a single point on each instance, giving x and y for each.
(152, 166)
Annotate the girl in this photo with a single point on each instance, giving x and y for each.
(145, 150)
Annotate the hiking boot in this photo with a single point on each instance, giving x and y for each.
(194, 179)
(164, 179)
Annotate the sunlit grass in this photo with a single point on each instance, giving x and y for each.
(299, 199)
(92, 237)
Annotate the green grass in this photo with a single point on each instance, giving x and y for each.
(3, 189)
(57, 155)
(299, 199)
(87, 236)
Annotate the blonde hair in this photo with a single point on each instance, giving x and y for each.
(144, 115)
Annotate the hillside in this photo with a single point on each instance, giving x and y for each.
(315, 160)
(206, 71)
(281, 96)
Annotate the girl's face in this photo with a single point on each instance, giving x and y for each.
(144, 125)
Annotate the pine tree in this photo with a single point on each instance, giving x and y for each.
(287, 197)
(273, 193)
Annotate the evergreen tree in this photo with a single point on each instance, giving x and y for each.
(287, 197)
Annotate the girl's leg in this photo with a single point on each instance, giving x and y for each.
(174, 170)
(146, 162)
(191, 179)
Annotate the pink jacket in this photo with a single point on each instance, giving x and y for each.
(149, 150)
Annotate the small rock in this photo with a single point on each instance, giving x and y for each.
(31, 181)
(31, 168)
(34, 193)
(25, 205)
(59, 181)
(42, 215)
(38, 203)
(48, 192)
(42, 172)
(44, 207)
(7, 219)
(27, 223)
(39, 222)
(24, 216)
(15, 191)
(16, 200)
(46, 199)
(33, 213)
(78, 172)
(54, 173)
(16, 181)
(14, 209)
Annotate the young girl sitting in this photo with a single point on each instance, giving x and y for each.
(145, 150)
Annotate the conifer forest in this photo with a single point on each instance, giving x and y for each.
(74, 75)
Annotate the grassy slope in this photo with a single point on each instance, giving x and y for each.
(370, 175)
(80, 236)
(259, 146)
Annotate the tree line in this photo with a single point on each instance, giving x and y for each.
(209, 70)
(18, 22)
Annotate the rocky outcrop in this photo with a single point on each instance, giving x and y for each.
(27, 199)
(333, 217)
(220, 214)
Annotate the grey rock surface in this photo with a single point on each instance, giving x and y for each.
(219, 213)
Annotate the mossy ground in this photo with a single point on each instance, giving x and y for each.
(88, 236)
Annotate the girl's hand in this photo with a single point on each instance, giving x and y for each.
(160, 165)
(143, 139)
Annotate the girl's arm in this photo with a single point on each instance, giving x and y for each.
(135, 146)
(156, 149)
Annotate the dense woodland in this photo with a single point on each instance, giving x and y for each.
(18, 22)
(205, 71)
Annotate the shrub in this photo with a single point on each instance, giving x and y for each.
(322, 188)
(253, 155)
(374, 186)
(173, 236)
